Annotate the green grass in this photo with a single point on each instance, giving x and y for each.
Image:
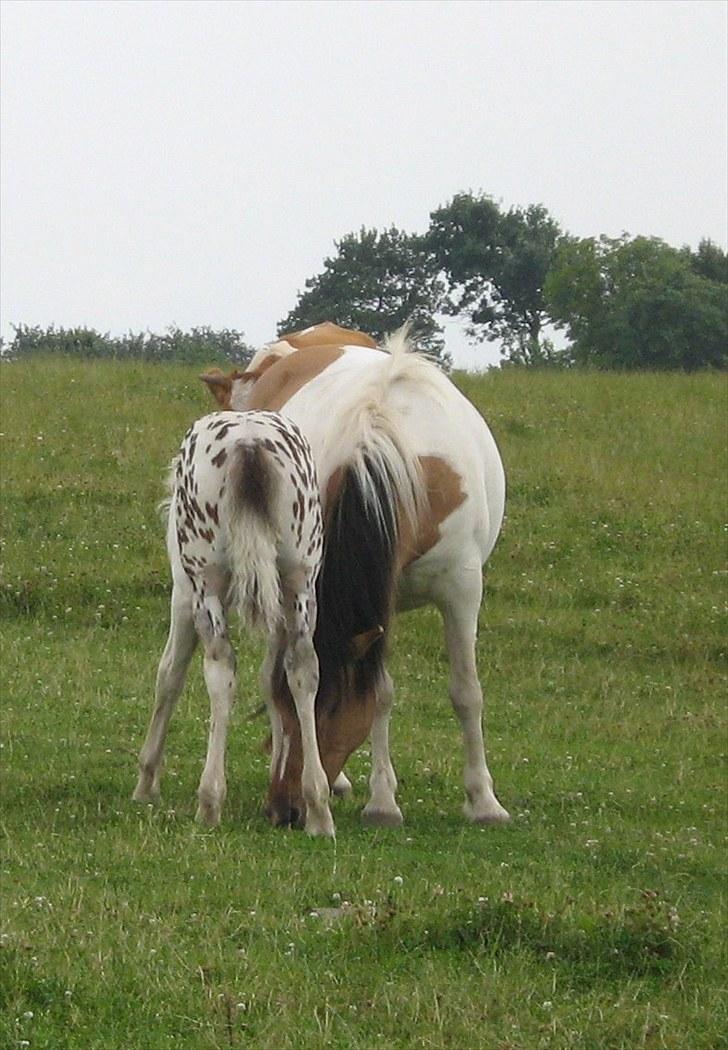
(595, 920)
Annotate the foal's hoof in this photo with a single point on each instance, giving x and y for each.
(382, 818)
(144, 794)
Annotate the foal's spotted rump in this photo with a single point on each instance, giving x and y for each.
(221, 471)
(244, 529)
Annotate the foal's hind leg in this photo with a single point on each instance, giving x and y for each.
(460, 614)
(276, 642)
(170, 681)
(219, 671)
(302, 674)
(382, 809)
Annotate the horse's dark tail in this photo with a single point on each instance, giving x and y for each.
(374, 485)
(370, 497)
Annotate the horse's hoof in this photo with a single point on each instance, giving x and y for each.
(492, 814)
(342, 786)
(382, 818)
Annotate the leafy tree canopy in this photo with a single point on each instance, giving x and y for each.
(710, 261)
(375, 283)
(638, 303)
(495, 264)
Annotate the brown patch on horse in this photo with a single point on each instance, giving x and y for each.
(285, 377)
(343, 732)
(316, 349)
(327, 334)
(444, 495)
(220, 384)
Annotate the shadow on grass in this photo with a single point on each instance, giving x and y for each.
(77, 602)
(644, 939)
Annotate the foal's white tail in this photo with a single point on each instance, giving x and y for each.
(252, 503)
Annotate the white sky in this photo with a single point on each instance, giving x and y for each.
(194, 162)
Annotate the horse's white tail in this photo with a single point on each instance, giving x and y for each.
(252, 502)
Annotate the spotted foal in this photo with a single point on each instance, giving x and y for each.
(244, 529)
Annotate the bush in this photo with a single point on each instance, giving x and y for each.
(198, 346)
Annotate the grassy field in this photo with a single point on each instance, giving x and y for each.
(595, 920)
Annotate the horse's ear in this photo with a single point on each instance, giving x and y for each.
(220, 386)
(360, 644)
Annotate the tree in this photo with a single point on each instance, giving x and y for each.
(710, 261)
(375, 283)
(495, 264)
(638, 303)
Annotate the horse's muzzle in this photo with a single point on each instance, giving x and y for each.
(284, 812)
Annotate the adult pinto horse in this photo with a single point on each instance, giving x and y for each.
(413, 494)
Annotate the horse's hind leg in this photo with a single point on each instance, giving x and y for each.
(219, 671)
(382, 809)
(170, 681)
(460, 615)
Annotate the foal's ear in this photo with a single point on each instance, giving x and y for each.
(360, 644)
(220, 386)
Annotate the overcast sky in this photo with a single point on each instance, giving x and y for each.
(193, 163)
